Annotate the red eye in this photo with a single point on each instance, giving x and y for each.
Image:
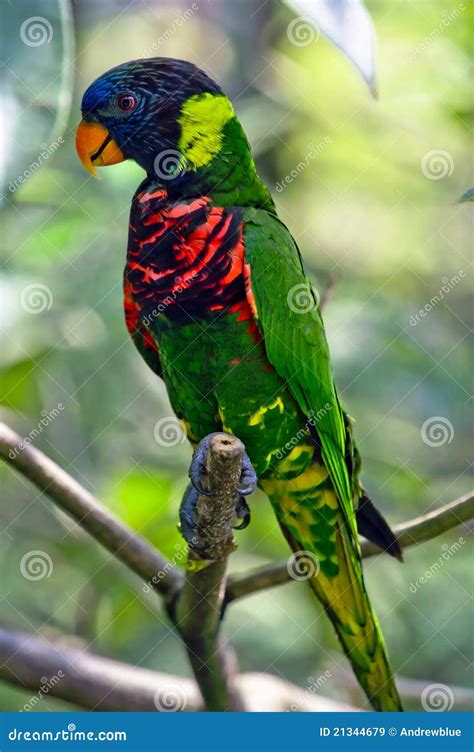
(126, 102)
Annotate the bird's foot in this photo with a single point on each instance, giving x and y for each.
(198, 486)
(187, 518)
(248, 478)
(197, 470)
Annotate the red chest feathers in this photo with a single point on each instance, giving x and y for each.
(185, 260)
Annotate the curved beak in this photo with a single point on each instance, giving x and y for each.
(96, 147)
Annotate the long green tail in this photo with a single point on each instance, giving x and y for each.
(308, 511)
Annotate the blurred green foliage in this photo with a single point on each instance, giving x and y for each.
(363, 206)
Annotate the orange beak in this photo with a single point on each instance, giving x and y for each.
(96, 147)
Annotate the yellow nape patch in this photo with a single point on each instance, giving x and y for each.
(258, 416)
(202, 120)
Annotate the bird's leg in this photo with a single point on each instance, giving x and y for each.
(199, 485)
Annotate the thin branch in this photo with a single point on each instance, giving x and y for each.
(409, 533)
(130, 547)
(429, 526)
(198, 609)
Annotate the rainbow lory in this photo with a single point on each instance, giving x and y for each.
(218, 304)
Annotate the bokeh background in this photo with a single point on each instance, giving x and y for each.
(375, 206)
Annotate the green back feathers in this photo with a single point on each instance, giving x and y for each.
(296, 343)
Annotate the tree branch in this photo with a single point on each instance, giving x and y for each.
(100, 684)
(429, 526)
(88, 680)
(130, 547)
(198, 610)
(409, 533)
(195, 603)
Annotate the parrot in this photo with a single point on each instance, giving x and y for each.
(219, 305)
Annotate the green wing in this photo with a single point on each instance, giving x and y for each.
(288, 317)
